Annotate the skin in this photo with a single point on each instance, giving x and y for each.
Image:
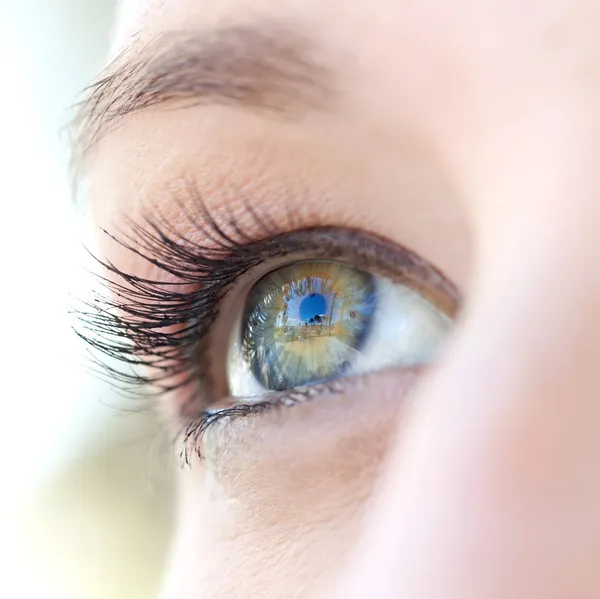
(469, 133)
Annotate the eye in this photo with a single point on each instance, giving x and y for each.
(313, 321)
(228, 324)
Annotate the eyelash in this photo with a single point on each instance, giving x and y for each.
(157, 323)
(163, 325)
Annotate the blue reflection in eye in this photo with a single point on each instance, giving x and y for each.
(313, 308)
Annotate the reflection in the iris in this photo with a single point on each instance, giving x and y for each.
(306, 322)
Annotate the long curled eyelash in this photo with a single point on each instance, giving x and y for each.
(157, 324)
(152, 330)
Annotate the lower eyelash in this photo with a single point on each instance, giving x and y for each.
(192, 435)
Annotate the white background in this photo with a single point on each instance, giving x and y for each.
(84, 502)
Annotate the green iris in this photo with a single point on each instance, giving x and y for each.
(307, 322)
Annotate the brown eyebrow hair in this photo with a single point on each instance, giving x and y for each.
(264, 67)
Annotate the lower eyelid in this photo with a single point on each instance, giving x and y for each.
(349, 410)
(229, 409)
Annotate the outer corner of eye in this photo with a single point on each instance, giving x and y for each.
(314, 321)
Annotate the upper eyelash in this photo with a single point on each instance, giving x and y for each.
(124, 322)
(127, 321)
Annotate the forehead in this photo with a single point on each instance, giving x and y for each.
(393, 65)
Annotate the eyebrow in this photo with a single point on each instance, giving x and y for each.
(261, 67)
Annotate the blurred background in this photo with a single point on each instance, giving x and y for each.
(85, 504)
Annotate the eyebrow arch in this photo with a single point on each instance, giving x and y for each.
(265, 67)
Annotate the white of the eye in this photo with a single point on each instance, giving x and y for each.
(406, 330)
(241, 381)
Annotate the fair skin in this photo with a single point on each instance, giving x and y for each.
(469, 133)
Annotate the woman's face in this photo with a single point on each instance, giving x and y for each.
(448, 155)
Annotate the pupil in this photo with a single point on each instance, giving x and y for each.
(313, 308)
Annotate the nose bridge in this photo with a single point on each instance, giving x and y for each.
(523, 387)
(523, 382)
(529, 347)
(505, 451)
(493, 489)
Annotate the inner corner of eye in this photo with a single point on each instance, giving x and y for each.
(313, 321)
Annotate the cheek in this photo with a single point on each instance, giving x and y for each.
(275, 513)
